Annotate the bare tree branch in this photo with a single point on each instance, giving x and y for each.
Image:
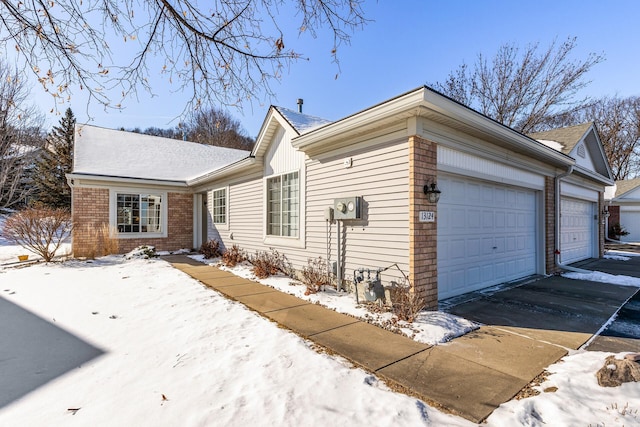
(222, 52)
(525, 89)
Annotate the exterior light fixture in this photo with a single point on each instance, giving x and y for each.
(605, 212)
(432, 192)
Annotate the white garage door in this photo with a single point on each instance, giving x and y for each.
(576, 230)
(630, 220)
(486, 234)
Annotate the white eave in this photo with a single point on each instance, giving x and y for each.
(238, 166)
(425, 102)
(123, 180)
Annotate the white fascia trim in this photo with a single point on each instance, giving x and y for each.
(222, 172)
(593, 176)
(372, 115)
(107, 180)
(447, 107)
(430, 100)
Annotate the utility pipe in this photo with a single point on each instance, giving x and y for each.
(558, 178)
(338, 258)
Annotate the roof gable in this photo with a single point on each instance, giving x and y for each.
(582, 143)
(111, 153)
(296, 123)
(628, 189)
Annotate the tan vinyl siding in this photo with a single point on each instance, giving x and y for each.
(380, 176)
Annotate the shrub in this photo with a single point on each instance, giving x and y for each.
(210, 249)
(267, 264)
(617, 230)
(234, 256)
(406, 303)
(315, 275)
(103, 242)
(40, 230)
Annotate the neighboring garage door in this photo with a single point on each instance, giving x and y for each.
(576, 230)
(486, 234)
(630, 220)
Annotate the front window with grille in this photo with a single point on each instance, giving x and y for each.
(219, 208)
(138, 213)
(283, 205)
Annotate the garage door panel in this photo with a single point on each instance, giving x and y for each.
(630, 220)
(577, 237)
(497, 236)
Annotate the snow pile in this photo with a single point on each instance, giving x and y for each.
(302, 123)
(574, 398)
(616, 257)
(430, 327)
(598, 276)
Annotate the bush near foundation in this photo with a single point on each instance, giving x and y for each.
(234, 256)
(406, 304)
(40, 230)
(210, 249)
(267, 264)
(315, 275)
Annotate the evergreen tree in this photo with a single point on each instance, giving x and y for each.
(50, 178)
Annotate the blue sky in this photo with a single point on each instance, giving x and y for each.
(410, 43)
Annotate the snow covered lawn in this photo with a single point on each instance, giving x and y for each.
(216, 362)
(177, 353)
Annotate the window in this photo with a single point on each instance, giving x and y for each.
(139, 213)
(219, 206)
(283, 205)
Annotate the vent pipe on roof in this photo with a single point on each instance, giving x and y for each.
(300, 102)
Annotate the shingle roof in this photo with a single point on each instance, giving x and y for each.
(568, 137)
(626, 185)
(108, 152)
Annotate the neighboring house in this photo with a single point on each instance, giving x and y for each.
(495, 220)
(581, 192)
(624, 208)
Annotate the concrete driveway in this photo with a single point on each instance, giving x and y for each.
(562, 311)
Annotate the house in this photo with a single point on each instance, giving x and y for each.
(624, 208)
(361, 193)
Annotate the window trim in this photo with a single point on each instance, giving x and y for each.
(211, 206)
(113, 218)
(300, 240)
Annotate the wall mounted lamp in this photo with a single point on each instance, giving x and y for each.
(432, 192)
(605, 212)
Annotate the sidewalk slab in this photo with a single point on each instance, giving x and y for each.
(367, 345)
(310, 319)
(517, 356)
(455, 384)
(245, 289)
(614, 344)
(212, 273)
(270, 301)
(566, 339)
(223, 282)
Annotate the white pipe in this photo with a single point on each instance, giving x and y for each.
(338, 259)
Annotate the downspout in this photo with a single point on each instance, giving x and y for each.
(558, 178)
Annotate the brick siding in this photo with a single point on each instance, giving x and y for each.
(91, 213)
(423, 236)
(550, 225)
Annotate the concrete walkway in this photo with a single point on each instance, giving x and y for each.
(470, 376)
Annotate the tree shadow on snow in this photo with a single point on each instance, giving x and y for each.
(34, 351)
